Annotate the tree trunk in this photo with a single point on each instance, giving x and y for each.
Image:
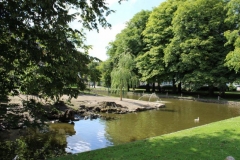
(211, 90)
(159, 88)
(180, 87)
(121, 94)
(174, 86)
(222, 89)
(147, 87)
(121, 90)
(153, 87)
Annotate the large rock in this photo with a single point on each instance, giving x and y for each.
(111, 107)
(69, 115)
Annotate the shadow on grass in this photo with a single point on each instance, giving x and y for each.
(200, 146)
(187, 145)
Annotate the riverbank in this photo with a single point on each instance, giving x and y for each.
(94, 100)
(212, 141)
(82, 107)
(130, 104)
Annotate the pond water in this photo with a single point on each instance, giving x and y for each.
(178, 115)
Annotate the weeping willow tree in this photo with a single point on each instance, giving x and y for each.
(122, 75)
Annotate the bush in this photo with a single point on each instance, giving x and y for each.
(231, 87)
(34, 146)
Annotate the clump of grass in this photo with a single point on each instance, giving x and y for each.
(213, 141)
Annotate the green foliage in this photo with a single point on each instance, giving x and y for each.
(157, 35)
(198, 43)
(130, 39)
(94, 72)
(232, 35)
(187, 41)
(231, 87)
(40, 54)
(106, 69)
(39, 47)
(122, 75)
(34, 145)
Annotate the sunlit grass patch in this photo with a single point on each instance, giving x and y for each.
(212, 141)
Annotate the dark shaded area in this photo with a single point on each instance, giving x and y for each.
(34, 145)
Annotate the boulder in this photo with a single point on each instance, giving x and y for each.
(67, 116)
(140, 109)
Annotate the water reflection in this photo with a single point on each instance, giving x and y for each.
(90, 135)
(62, 128)
(178, 115)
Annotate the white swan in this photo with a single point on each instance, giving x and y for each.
(196, 120)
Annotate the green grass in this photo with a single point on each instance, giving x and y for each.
(214, 141)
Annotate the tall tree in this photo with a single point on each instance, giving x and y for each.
(94, 72)
(132, 35)
(40, 53)
(130, 39)
(197, 50)
(39, 47)
(106, 69)
(157, 35)
(232, 35)
(122, 74)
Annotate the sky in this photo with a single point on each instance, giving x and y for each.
(123, 13)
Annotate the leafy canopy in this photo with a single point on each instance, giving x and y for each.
(122, 74)
(39, 50)
(198, 42)
(233, 20)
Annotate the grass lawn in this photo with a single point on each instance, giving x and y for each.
(214, 141)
